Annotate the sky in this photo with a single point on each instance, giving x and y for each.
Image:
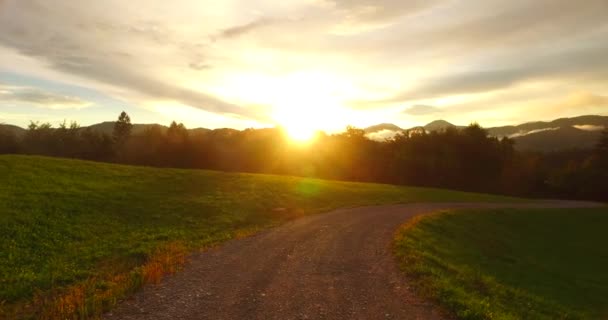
(319, 64)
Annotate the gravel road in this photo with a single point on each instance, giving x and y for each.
(336, 265)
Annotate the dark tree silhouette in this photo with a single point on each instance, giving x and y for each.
(601, 150)
(122, 128)
(465, 159)
(8, 142)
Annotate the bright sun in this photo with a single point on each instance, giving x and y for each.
(301, 133)
(301, 103)
(299, 125)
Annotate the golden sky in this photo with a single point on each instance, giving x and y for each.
(318, 64)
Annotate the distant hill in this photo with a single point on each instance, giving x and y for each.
(583, 122)
(436, 125)
(439, 125)
(108, 127)
(17, 131)
(560, 134)
(559, 139)
(432, 126)
(383, 126)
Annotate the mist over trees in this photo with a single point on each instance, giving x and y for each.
(456, 158)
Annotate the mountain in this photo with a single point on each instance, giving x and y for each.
(545, 136)
(439, 125)
(383, 126)
(583, 122)
(17, 131)
(562, 138)
(436, 125)
(560, 134)
(108, 127)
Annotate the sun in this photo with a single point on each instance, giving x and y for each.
(301, 132)
(304, 104)
(298, 125)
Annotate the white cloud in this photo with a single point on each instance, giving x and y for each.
(525, 133)
(390, 52)
(382, 135)
(41, 98)
(589, 127)
(420, 110)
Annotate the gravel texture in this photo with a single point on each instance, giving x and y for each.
(336, 265)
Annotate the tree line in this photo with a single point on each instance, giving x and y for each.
(463, 159)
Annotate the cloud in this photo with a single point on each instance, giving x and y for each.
(499, 23)
(585, 62)
(382, 135)
(581, 99)
(199, 66)
(589, 127)
(525, 133)
(242, 29)
(70, 39)
(153, 88)
(397, 53)
(420, 110)
(383, 10)
(41, 98)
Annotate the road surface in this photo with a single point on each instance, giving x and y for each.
(336, 265)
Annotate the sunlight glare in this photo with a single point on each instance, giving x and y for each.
(299, 125)
(305, 104)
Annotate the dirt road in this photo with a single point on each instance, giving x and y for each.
(336, 265)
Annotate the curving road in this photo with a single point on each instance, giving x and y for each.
(336, 265)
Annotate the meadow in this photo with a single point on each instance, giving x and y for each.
(512, 263)
(76, 236)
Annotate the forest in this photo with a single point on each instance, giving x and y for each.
(462, 159)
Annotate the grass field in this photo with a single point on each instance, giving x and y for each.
(511, 264)
(77, 235)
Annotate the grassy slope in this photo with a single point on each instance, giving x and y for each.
(511, 264)
(65, 221)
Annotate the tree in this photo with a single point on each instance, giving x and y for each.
(177, 146)
(177, 133)
(601, 149)
(67, 139)
(122, 128)
(39, 139)
(8, 141)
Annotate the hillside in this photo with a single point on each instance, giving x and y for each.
(17, 131)
(560, 134)
(558, 139)
(589, 122)
(382, 126)
(439, 125)
(516, 264)
(107, 127)
(72, 226)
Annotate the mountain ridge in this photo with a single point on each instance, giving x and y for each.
(579, 132)
(559, 134)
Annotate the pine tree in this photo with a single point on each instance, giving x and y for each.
(122, 128)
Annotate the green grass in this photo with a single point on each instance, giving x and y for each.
(68, 222)
(511, 264)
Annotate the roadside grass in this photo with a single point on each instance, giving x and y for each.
(75, 236)
(510, 263)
